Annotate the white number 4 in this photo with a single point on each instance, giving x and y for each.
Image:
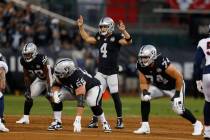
(103, 50)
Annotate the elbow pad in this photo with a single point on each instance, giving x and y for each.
(80, 100)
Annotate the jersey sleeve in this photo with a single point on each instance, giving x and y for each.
(4, 65)
(163, 63)
(45, 60)
(118, 36)
(78, 79)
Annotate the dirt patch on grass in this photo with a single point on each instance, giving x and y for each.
(161, 129)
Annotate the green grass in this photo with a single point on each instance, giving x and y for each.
(131, 106)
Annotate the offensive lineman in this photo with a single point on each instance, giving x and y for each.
(37, 78)
(202, 76)
(158, 77)
(71, 81)
(3, 71)
(109, 44)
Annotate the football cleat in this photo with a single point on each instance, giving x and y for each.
(119, 124)
(144, 129)
(3, 128)
(23, 120)
(55, 125)
(106, 127)
(93, 123)
(198, 127)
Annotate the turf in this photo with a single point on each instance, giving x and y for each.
(131, 106)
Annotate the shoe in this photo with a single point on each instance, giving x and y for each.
(144, 129)
(23, 120)
(3, 120)
(93, 123)
(119, 124)
(55, 125)
(3, 128)
(198, 127)
(207, 133)
(106, 127)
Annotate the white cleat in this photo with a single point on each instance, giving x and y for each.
(3, 128)
(23, 120)
(207, 133)
(144, 129)
(198, 127)
(106, 127)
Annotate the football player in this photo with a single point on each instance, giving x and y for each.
(3, 71)
(82, 86)
(108, 44)
(38, 79)
(158, 77)
(202, 76)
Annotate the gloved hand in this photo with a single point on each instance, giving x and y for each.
(56, 97)
(146, 95)
(199, 85)
(77, 124)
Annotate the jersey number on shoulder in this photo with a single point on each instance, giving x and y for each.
(103, 50)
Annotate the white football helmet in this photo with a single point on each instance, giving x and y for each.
(64, 68)
(147, 55)
(106, 21)
(29, 52)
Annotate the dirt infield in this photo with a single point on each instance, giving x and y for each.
(161, 129)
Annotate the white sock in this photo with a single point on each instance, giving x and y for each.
(102, 118)
(26, 117)
(57, 115)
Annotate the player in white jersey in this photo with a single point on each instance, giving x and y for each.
(3, 71)
(202, 77)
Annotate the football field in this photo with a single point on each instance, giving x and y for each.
(164, 123)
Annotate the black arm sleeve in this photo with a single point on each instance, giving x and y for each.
(80, 100)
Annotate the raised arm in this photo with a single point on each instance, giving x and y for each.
(85, 36)
(127, 40)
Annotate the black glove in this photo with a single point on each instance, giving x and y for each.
(176, 95)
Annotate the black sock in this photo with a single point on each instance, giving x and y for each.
(189, 116)
(145, 110)
(117, 103)
(57, 106)
(206, 112)
(27, 106)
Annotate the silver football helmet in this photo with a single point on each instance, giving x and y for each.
(64, 68)
(106, 22)
(147, 55)
(29, 52)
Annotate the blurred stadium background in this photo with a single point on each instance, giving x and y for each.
(173, 26)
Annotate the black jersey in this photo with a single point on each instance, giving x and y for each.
(36, 66)
(157, 74)
(79, 78)
(109, 48)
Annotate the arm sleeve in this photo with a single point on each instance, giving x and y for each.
(199, 56)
